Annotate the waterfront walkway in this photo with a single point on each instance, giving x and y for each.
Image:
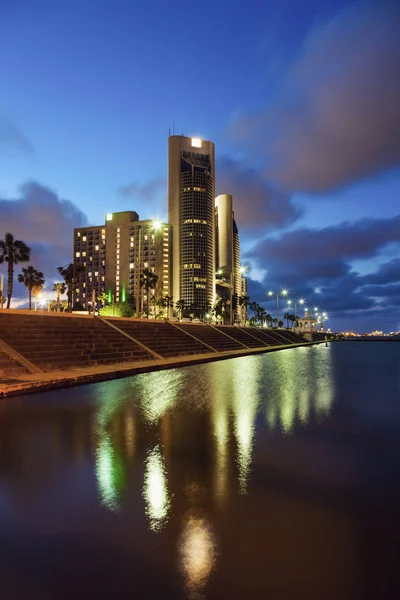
(41, 351)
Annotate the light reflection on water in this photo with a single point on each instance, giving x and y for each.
(224, 476)
(232, 391)
(198, 554)
(155, 491)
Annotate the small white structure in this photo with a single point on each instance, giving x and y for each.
(307, 324)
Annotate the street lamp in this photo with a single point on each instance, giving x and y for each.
(284, 292)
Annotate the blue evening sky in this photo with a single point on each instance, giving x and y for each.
(89, 90)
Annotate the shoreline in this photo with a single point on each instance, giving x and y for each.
(57, 379)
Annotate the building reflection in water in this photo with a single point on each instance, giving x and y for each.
(246, 398)
(158, 392)
(110, 472)
(295, 388)
(301, 388)
(111, 467)
(198, 554)
(155, 490)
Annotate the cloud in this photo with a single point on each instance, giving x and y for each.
(346, 241)
(257, 205)
(11, 138)
(305, 260)
(387, 273)
(43, 220)
(337, 118)
(149, 191)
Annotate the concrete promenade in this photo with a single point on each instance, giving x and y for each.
(15, 385)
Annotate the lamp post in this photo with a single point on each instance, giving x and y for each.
(277, 294)
(299, 301)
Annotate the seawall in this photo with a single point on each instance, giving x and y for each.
(41, 351)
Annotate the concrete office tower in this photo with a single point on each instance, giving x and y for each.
(191, 184)
(114, 254)
(227, 243)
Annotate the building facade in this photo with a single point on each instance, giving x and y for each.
(191, 192)
(227, 249)
(114, 254)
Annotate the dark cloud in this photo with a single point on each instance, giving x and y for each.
(337, 119)
(388, 273)
(257, 205)
(43, 220)
(12, 138)
(346, 241)
(317, 265)
(148, 192)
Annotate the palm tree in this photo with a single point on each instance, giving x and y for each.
(254, 306)
(12, 252)
(168, 303)
(32, 279)
(287, 317)
(148, 280)
(180, 307)
(70, 273)
(243, 303)
(103, 298)
(60, 288)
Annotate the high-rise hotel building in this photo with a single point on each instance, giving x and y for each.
(114, 254)
(191, 193)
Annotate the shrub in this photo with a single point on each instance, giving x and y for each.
(117, 309)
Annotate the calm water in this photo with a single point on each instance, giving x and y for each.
(273, 476)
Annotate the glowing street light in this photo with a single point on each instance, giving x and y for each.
(283, 292)
(156, 224)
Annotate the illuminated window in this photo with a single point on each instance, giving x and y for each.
(77, 254)
(131, 244)
(83, 253)
(131, 265)
(79, 234)
(109, 217)
(196, 142)
(96, 247)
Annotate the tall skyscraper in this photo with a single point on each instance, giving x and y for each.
(191, 192)
(227, 246)
(114, 254)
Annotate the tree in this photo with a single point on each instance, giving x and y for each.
(70, 273)
(60, 288)
(12, 252)
(243, 303)
(103, 298)
(255, 307)
(168, 303)
(280, 324)
(221, 307)
(287, 317)
(32, 279)
(148, 280)
(180, 307)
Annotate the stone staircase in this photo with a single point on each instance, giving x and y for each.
(212, 336)
(163, 338)
(8, 366)
(64, 341)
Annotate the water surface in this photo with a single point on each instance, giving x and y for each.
(268, 476)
